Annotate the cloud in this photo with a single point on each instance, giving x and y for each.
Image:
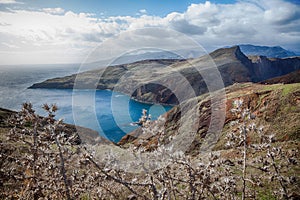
(281, 13)
(10, 2)
(205, 14)
(46, 37)
(42, 27)
(54, 10)
(184, 26)
(12, 46)
(55, 31)
(143, 11)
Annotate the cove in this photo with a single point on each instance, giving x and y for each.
(111, 113)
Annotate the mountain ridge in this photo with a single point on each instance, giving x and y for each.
(157, 81)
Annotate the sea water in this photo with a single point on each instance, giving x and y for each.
(110, 113)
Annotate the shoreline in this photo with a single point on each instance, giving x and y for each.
(87, 89)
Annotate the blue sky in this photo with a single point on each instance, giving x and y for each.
(118, 7)
(39, 31)
(123, 7)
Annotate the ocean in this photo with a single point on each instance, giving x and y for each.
(109, 113)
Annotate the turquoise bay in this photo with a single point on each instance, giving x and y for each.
(109, 113)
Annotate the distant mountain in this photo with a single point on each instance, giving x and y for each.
(270, 52)
(145, 55)
(138, 56)
(157, 54)
(157, 81)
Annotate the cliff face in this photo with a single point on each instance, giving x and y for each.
(264, 68)
(268, 103)
(160, 81)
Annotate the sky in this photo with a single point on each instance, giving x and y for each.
(59, 31)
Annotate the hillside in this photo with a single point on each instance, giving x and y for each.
(274, 117)
(160, 81)
(293, 77)
(268, 103)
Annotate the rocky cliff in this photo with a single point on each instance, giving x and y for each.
(173, 81)
(264, 68)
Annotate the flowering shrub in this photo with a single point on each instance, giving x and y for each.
(39, 160)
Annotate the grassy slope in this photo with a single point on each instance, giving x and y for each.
(276, 107)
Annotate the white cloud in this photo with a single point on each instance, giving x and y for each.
(56, 38)
(54, 10)
(202, 14)
(272, 22)
(10, 2)
(143, 11)
(54, 32)
(12, 46)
